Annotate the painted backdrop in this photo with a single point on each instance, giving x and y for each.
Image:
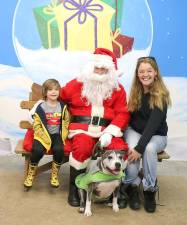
(54, 38)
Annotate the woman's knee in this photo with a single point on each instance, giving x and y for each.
(150, 151)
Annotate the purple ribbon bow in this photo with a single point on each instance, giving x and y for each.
(83, 9)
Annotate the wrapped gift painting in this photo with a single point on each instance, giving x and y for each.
(117, 5)
(121, 43)
(80, 25)
(47, 26)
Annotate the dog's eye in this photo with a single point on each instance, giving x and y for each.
(120, 157)
(109, 157)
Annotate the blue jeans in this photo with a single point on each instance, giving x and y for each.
(149, 160)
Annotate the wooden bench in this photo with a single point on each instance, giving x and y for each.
(34, 96)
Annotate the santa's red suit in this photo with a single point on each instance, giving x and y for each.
(84, 134)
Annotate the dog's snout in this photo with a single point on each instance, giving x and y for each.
(118, 165)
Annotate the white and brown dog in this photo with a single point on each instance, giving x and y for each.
(102, 179)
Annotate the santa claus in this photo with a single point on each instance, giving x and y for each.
(97, 104)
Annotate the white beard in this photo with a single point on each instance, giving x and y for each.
(97, 88)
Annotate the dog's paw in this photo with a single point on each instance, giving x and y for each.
(81, 210)
(115, 208)
(87, 213)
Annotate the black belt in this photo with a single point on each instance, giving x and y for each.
(94, 120)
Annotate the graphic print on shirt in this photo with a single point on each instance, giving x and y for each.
(53, 118)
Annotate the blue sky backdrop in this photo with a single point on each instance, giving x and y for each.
(169, 35)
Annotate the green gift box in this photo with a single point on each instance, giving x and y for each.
(47, 27)
(117, 17)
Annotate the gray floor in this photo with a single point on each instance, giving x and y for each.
(45, 206)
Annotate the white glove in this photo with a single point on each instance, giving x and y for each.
(33, 110)
(105, 139)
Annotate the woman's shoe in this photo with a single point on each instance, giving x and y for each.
(149, 201)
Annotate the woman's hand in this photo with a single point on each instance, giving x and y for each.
(133, 155)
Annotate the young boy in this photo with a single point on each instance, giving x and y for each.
(51, 120)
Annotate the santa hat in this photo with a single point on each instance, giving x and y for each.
(107, 59)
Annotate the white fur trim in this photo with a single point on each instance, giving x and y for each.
(106, 62)
(94, 129)
(77, 164)
(105, 139)
(114, 130)
(33, 110)
(72, 133)
(103, 61)
(119, 73)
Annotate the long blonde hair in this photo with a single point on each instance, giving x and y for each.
(159, 94)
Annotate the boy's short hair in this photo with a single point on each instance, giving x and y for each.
(48, 84)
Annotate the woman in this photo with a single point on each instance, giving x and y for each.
(147, 132)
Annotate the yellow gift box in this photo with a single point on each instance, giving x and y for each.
(84, 25)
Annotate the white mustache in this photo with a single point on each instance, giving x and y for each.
(100, 78)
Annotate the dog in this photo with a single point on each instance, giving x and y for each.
(104, 176)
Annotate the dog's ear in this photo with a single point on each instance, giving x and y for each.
(98, 153)
(101, 152)
(99, 164)
(103, 156)
(106, 154)
(97, 150)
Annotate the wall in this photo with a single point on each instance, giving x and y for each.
(31, 52)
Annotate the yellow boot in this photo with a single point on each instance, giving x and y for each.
(54, 174)
(30, 176)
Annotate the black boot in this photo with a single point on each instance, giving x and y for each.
(73, 197)
(149, 201)
(122, 196)
(134, 198)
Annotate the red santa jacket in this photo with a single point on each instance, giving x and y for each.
(114, 109)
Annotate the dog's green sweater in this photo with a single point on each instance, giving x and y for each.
(83, 180)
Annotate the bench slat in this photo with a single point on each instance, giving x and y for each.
(24, 124)
(27, 104)
(33, 97)
(19, 148)
(37, 90)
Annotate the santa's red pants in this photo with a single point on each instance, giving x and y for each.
(80, 148)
